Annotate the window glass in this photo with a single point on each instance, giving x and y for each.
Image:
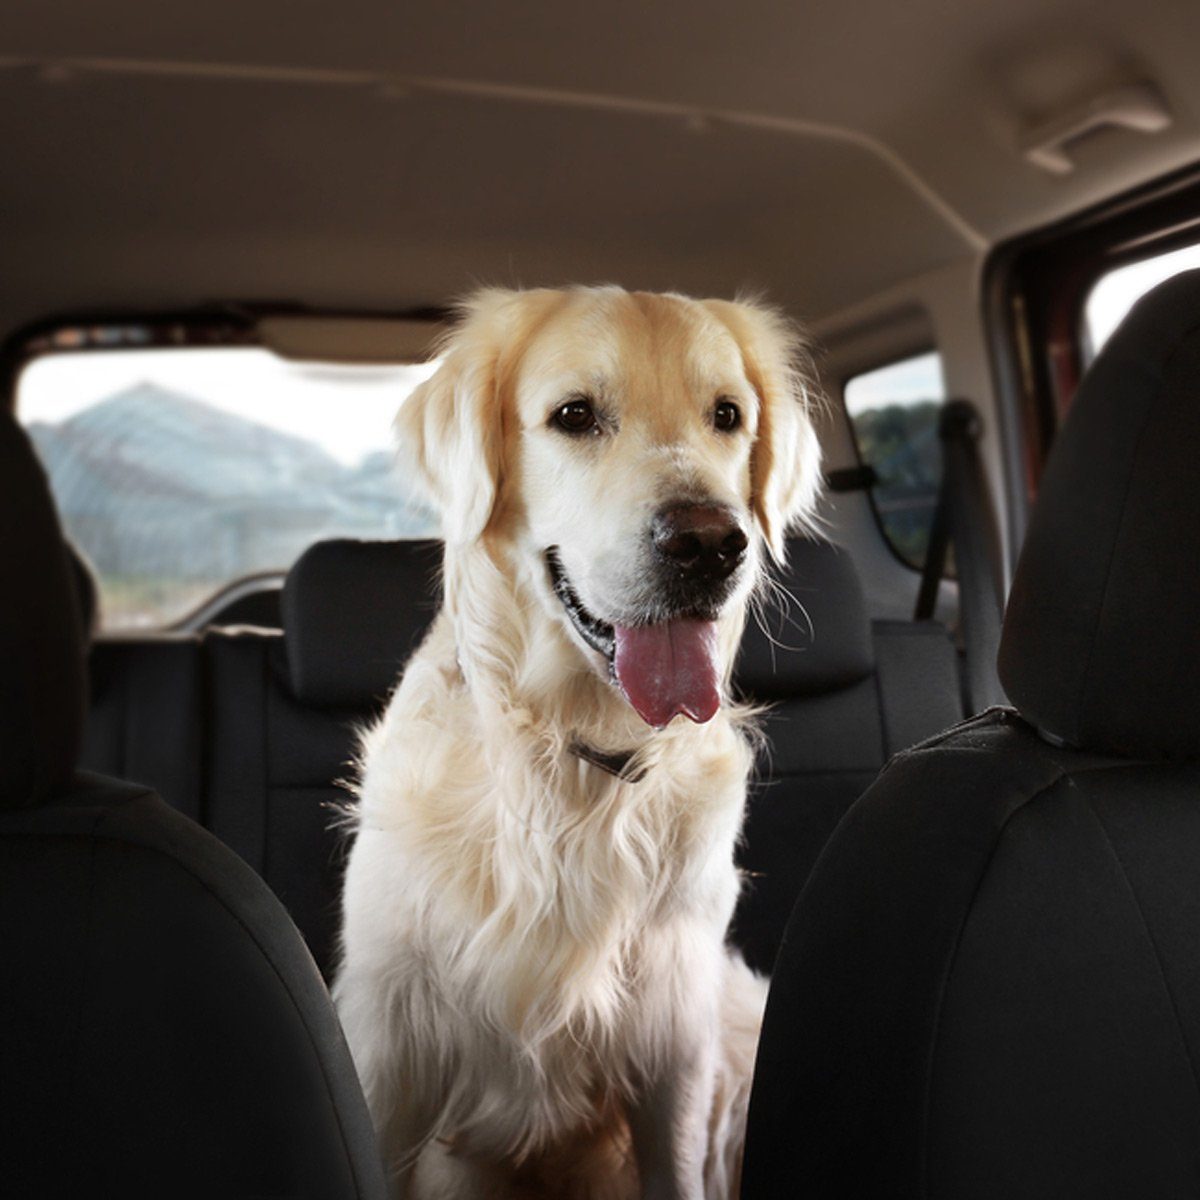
(894, 412)
(1114, 294)
(179, 471)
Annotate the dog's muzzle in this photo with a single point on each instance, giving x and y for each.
(668, 663)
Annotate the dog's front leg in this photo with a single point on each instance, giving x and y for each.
(668, 1121)
(376, 1034)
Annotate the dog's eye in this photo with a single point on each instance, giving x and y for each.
(576, 416)
(726, 416)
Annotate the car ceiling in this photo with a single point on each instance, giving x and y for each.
(385, 155)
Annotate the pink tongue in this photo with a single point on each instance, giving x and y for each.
(669, 668)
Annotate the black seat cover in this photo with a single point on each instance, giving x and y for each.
(990, 986)
(287, 710)
(164, 1030)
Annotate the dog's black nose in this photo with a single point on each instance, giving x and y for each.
(701, 541)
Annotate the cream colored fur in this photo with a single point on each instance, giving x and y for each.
(535, 985)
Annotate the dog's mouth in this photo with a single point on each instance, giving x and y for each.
(663, 668)
(598, 634)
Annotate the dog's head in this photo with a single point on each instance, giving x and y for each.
(637, 452)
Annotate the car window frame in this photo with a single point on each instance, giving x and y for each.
(1034, 288)
(877, 362)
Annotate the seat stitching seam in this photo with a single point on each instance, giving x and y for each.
(948, 970)
(884, 733)
(89, 951)
(266, 771)
(1150, 941)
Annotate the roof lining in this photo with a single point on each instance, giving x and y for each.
(395, 87)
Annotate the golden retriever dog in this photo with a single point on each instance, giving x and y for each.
(535, 985)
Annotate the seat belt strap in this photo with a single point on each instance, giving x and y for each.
(965, 519)
(935, 559)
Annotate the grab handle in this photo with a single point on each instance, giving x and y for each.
(1136, 106)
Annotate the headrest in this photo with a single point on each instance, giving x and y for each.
(1101, 645)
(353, 612)
(43, 682)
(810, 634)
(87, 590)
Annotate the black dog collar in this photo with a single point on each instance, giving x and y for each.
(615, 763)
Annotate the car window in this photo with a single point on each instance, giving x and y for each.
(179, 471)
(893, 411)
(1118, 290)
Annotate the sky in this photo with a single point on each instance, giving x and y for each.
(906, 382)
(1117, 292)
(348, 410)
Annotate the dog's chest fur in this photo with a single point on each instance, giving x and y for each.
(543, 922)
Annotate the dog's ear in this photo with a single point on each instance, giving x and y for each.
(785, 475)
(449, 429)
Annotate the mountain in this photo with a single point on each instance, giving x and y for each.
(150, 430)
(156, 485)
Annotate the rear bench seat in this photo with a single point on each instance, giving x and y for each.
(265, 721)
(145, 720)
(285, 709)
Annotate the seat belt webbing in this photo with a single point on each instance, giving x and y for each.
(965, 519)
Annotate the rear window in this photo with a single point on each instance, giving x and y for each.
(894, 412)
(180, 471)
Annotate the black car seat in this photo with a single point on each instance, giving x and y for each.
(163, 1030)
(287, 710)
(990, 986)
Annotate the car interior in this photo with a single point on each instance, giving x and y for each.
(234, 237)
